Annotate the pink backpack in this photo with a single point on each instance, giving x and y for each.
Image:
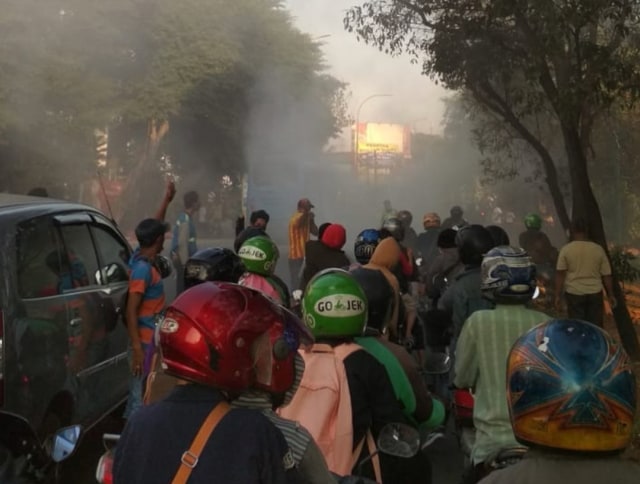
(322, 404)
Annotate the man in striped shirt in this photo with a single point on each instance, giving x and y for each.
(301, 225)
(508, 277)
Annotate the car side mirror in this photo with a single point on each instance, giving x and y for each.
(111, 273)
(65, 442)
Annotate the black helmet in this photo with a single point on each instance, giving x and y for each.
(164, 266)
(394, 226)
(405, 218)
(379, 297)
(365, 244)
(216, 264)
(500, 237)
(473, 241)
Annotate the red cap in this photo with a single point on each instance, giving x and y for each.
(305, 203)
(334, 236)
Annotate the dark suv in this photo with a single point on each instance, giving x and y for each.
(63, 281)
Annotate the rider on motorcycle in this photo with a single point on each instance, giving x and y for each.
(260, 256)
(536, 242)
(463, 296)
(335, 309)
(571, 398)
(410, 238)
(208, 339)
(404, 373)
(366, 242)
(277, 390)
(508, 279)
(427, 243)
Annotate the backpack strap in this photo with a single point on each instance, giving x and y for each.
(190, 458)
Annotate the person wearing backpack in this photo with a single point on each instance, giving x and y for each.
(423, 411)
(209, 339)
(345, 396)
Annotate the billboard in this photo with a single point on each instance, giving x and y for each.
(383, 138)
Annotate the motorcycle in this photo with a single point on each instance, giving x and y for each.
(466, 432)
(25, 459)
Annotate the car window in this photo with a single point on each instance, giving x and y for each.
(79, 259)
(38, 255)
(114, 255)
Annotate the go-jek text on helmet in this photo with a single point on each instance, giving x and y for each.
(259, 255)
(394, 226)
(334, 305)
(365, 244)
(473, 241)
(570, 386)
(405, 217)
(380, 299)
(533, 221)
(211, 333)
(215, 264)
(275, 357)
(431, 220)
(508, 275)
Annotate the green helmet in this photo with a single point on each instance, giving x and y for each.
(260, 255)
(334, 305)
(533, 221)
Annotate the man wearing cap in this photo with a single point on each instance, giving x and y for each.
(301, 225)
(145, 297)
(258, 220)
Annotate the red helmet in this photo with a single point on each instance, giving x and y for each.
(274, 359)
(212, 333)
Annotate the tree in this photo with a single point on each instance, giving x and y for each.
(571, 59)
(143, 69)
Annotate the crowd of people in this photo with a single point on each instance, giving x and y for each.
(270, 383)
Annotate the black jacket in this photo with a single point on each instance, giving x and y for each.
(319, 257)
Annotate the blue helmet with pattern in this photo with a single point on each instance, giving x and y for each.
(570, 386)
(508, 274)
(366, 243)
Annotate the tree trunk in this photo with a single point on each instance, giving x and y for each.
(137, 195)
(586, 206)
(486, 95)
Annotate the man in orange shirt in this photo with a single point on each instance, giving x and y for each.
(301, 225)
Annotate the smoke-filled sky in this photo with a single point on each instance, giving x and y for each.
(416, 100)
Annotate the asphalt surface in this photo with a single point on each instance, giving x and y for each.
(444, 454)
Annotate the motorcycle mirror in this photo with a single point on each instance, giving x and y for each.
(399, 440)
(65, 442)
(164, 266)
(437, 363)
(536, 293)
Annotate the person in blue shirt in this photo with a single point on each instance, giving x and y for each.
(145, 297)
(183, 244)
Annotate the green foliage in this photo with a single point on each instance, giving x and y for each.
(69, 67)
(625, 264)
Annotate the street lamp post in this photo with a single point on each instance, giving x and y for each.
(357, 136)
